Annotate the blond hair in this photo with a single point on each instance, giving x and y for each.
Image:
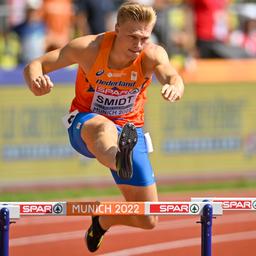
(136, 12)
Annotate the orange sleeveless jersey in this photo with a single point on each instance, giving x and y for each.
(116, 94)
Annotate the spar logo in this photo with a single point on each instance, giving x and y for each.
(254, 205)
(236, 204)
(194, 208)
(169, 208)
(39, 209)
(58, 208)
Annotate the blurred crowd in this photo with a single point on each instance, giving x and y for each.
(188, 29)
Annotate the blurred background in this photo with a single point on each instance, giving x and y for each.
(210, 136)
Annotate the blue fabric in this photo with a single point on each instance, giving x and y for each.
(143, 174)
(74, 132)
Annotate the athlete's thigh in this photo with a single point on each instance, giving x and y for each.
(97, 126)
(86, 123)
(139, 193)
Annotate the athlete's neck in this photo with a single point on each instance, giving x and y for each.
(116, 62)
(118, 59)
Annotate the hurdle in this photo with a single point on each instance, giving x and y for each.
(228, 204)
(12, 211)
(7, 213)
(231, 203)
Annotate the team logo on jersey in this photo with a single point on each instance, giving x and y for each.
(100, 72)
(134, 75)
(115, 83)
(111, 74)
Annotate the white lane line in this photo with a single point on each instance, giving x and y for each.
(182, 244)
(163, 225)
(156, 247)
(41, 239)
(30, 221)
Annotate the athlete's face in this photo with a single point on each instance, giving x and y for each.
(132, 37)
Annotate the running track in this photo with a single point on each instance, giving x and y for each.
(234, 234)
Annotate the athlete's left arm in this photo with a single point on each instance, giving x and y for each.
(173, 86)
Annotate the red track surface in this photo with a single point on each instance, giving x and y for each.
(234, 234)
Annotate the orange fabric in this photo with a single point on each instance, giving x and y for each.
(215, 70)
(117, 94)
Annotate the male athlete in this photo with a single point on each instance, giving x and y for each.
(107, 113)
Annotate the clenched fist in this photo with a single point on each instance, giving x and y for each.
(171, 92)
(41, 85)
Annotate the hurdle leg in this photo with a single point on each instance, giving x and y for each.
(4, 231)
(206, 230)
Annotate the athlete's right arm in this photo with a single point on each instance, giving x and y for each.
(35, 72)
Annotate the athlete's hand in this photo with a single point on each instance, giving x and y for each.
(170, 92)
(41, 85)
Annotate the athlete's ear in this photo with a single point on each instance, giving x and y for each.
(117, 28)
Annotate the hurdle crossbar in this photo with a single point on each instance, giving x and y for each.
(110, 208)
(15, 210)
(231, 203)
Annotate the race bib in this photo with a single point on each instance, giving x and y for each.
(69, 118)
(113, 102)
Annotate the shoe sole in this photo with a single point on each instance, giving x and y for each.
(127, 141)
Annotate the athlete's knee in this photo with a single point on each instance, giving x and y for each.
(148, 222)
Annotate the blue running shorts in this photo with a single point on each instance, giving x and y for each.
(143, 174)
